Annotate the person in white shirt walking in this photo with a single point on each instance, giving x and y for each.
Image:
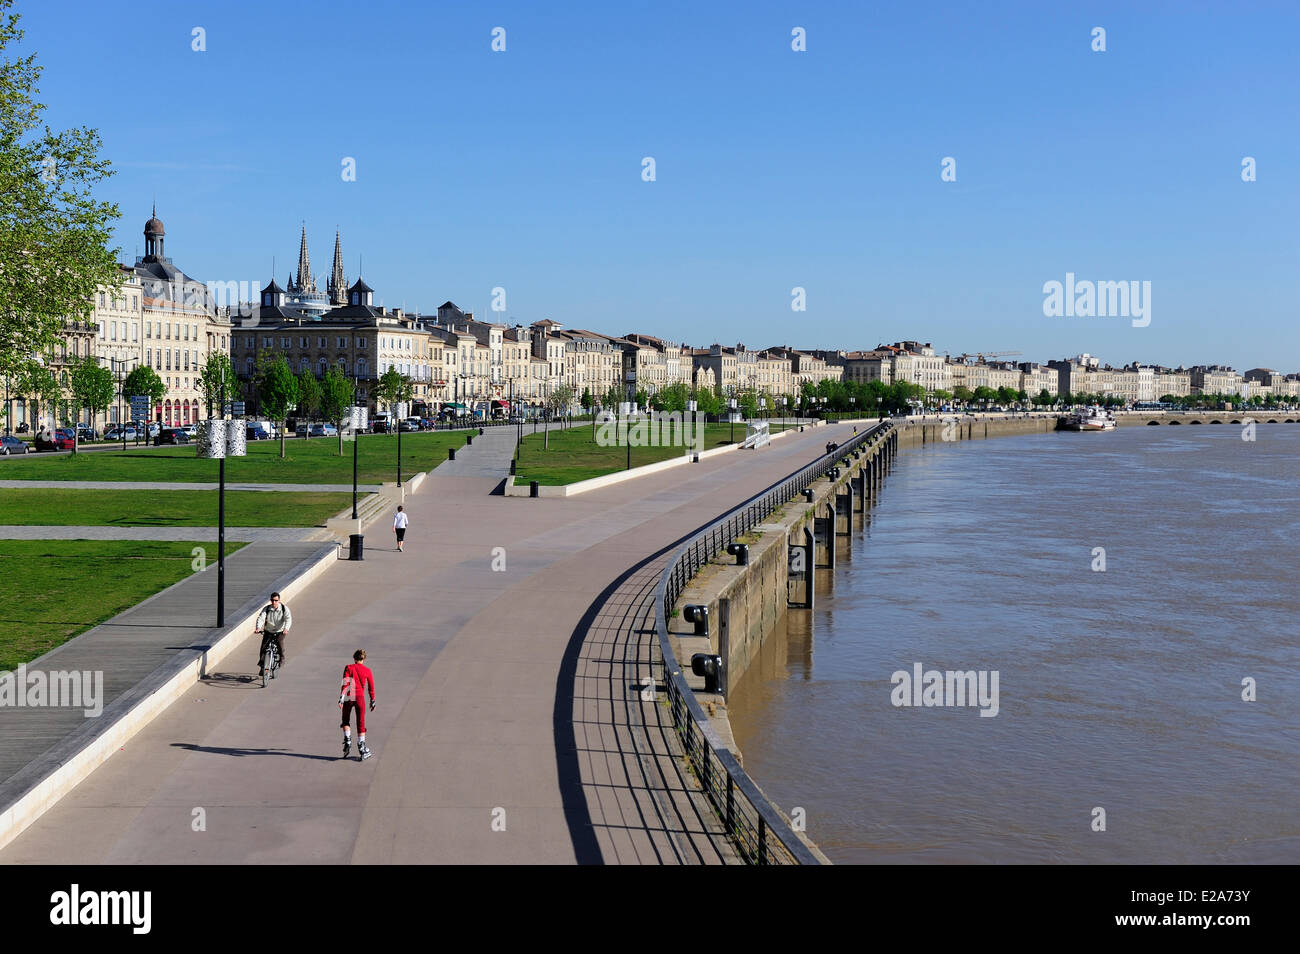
(399, 528)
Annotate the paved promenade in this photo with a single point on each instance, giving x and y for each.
(507, 642)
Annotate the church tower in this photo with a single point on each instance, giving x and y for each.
(338, 286)
(305, 284)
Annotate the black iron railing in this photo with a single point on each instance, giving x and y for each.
(760, 833)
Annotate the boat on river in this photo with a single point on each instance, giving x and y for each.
(1091, 419)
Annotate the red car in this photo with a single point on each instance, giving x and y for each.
(64, 439)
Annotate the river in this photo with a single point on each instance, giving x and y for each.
(1119, 689)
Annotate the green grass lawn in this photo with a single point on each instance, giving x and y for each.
(166, 508)
(574, 455)
(314, 461)
(52, 590)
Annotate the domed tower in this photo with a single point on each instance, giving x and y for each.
(153, 238)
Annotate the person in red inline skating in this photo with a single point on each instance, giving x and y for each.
(357, 678)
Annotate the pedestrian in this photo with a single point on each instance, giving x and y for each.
(399, 528)
(272, 623)
(357, 677)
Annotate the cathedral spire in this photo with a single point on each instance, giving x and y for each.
(338, 286)
(305, 282)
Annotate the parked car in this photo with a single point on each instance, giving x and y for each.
(44, 441)
(12, 445)
(256, 432)
(22, 428)
(324, 430)
(86, 433)
(409, 424)
(64, 439)
(171, 435)
(190, 431)
(381, 427)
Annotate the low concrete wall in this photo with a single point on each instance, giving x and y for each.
(916, 433)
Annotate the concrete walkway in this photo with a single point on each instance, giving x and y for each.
(243, 534)
(506, 644)
(159, 485)
(130, 648)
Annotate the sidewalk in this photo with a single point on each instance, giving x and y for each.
(135, 651)
(506, 643)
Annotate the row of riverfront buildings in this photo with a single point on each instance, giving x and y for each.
(162, 318)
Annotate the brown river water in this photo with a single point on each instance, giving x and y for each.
(1118, 689)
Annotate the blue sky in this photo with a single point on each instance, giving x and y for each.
(774, 168)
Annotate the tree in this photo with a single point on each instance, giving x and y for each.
(559, 399)
(277, 392)
(337, 395)
(54, 235)
(309, 396)
(586, 398)
(708, 401)
(144, 382)
(672, 398)
(91, 385)
(963, 394)
(615, 395)
(392, 388)
(218, 382)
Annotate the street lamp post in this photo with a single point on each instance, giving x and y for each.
(731, 417)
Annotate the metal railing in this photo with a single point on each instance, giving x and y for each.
(758, 830)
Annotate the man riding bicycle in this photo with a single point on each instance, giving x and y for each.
(273, 623)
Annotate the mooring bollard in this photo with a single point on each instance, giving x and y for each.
(534, 489)
(451, 453)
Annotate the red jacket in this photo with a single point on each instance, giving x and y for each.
(361, 679)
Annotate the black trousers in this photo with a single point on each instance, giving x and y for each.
(279, 646)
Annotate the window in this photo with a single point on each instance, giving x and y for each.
(324, 342)
(266, 342)
(101, 299)
(305, 365)
(248, 367)
(324, 366)
(302, 343)
(363, 368)
(135, 331)
(343, 365)
(112, 331)
(169, 331)
(361, 344)
(135, 302)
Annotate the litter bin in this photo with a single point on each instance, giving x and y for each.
(356, 546)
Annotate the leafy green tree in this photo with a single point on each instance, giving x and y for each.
(586, 398)
(53, 233)
(393, 388)
(309, 397)
(673, 398)
(218, 382)
(91, 385)
(963, 394)
(143, 381)
(337, 395)
(277, 392)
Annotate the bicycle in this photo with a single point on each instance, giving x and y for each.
(270, 661)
